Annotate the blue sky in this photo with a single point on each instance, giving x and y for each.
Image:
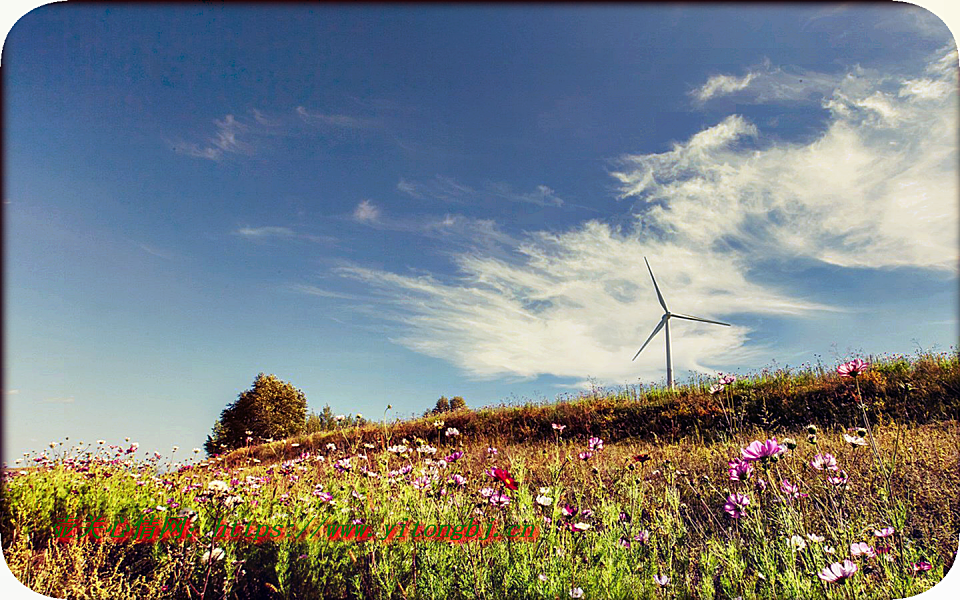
(386, 204)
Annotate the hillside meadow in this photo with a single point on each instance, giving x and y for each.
(823, 482)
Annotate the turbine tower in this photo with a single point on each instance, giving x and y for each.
(665, 325)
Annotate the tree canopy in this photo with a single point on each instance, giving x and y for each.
(271, 409)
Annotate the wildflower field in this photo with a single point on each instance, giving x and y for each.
(838, 482)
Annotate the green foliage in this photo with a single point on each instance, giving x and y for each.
(443, 405)
(457, 403)
(271, 409)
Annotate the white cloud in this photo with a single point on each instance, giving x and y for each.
(450, 190)
(579, 303)
(766, 83)
(366, 212)
(59, 400)
(313, 290)
(878, 188)
(262, 232)
(13, 392)
(226, 140)
(439, 188)
(342, 121)
(723, 84)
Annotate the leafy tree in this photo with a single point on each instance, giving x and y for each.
(443, 405)
(270, 409)
(457, 402)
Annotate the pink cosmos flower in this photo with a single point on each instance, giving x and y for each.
(853, 368)
(736, 504)
(585, 455)
(500, 500)
(567, 510)
(558, 427)
(661, 580)
(596, 443)
(740, 469)
(838, 572)
(862, 549)
(883, 533)
(824, 462)
(921, 567)
(791, 489)
(716, 388)
(758, 450)
(839, 479)
(643, 537)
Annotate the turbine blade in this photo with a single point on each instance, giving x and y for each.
(689, 318)
(656, 287)
(655, 331)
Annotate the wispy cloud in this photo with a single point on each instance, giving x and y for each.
(440, 188)
(236, 136)
(334, 120)
(450, 190)
(13, 392)
(264, 233)
(765, 83)
(877, 188)
(366, 212)
(155, 252)
(226, 140)
(708, 212)
(59, 400)
(313, 290)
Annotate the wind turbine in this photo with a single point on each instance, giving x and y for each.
(665, 325)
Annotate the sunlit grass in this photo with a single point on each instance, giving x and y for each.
(642, 517)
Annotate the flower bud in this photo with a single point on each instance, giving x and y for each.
(812, 429)
(812, 438)
(790, 443)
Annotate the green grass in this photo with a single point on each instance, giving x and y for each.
(663, 471)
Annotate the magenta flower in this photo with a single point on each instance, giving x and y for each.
(838, 572)
(643, 537)
(558, 427)
(596, 443)
(454, 456)
(500, 500)
(921, 567)
(824, 462)
(736, 505)
(862, 549)
(740, 469)
(762, 450)
(567, 510)
(585, 455)
(504, 477)
(852, 368)
(716, 388)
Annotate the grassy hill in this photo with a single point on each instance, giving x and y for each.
(783, 485)
(921, 389)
